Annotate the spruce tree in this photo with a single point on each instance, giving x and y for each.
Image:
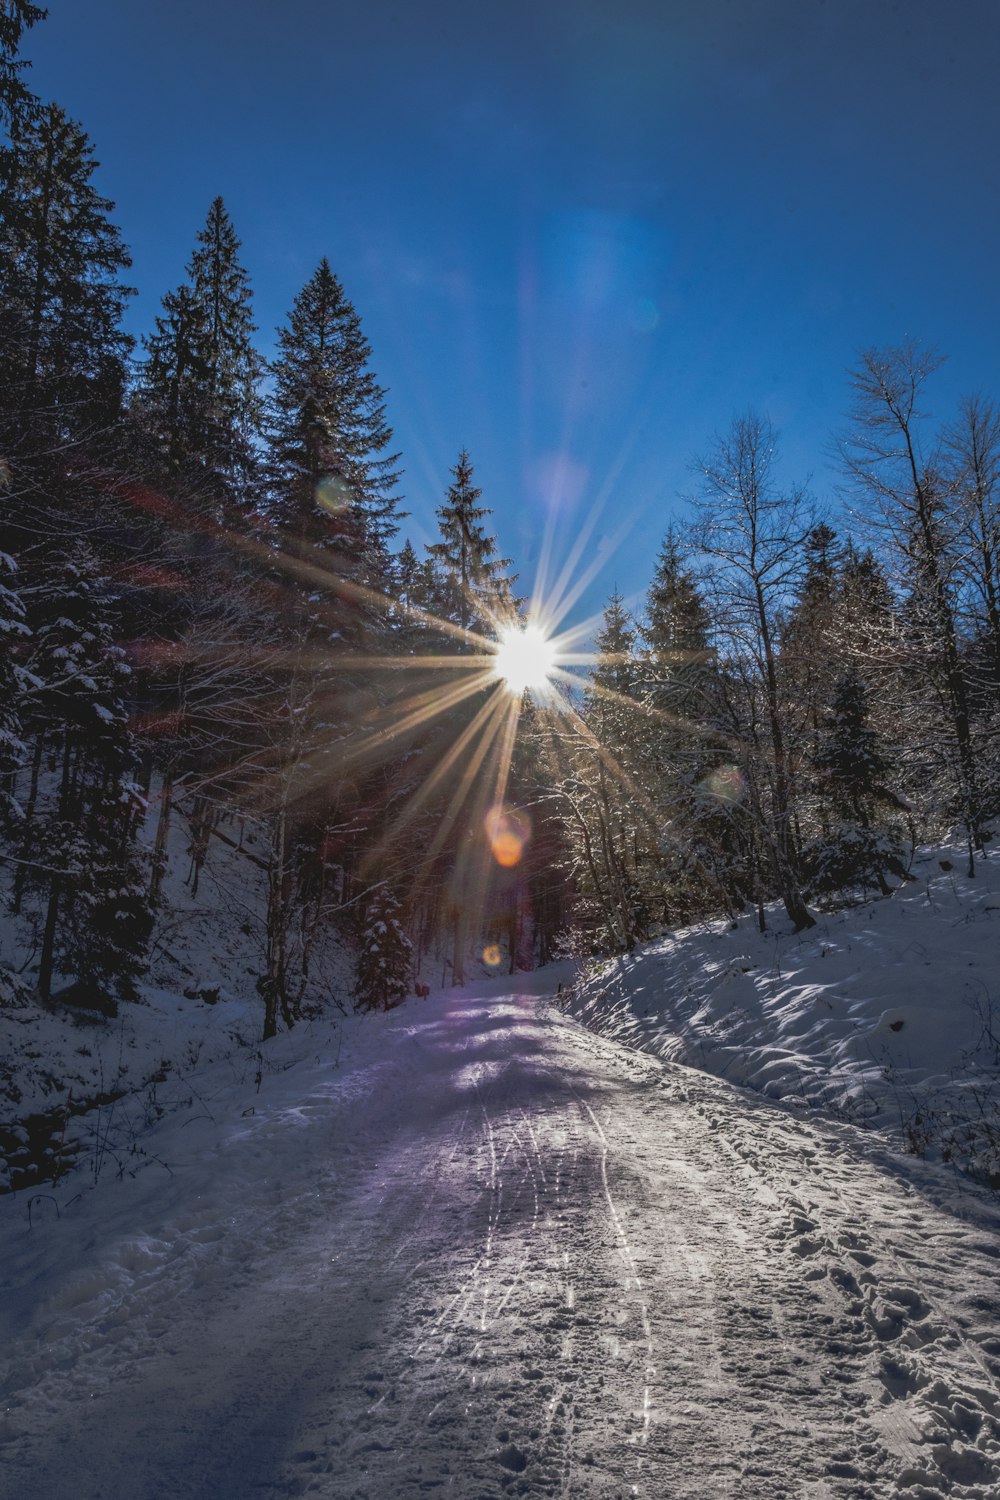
(676, 635)
(478, 588)
(80, 842)
(62, 350)
(16, 17)
(198, 390)
(223, 296)
(174, 396)
(908, 498)
(385, 955)
(857, 844)
(808, 665)
(332, 478)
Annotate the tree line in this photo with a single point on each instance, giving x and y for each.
(795, 708)
(202, 599)
(211, 637)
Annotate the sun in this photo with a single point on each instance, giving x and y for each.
(525, 659)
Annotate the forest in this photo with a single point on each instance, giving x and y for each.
(213, 628)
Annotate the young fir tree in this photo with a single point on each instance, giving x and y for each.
(857, 845)
(332, 477)
(385, 957)
(62, 351)
(407, 573)
(478, 588)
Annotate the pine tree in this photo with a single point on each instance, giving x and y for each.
(174, 397)
(198, 389)
(385, 957)
(850, 771)
(16, 17)
(676, 635)
(80, 844)
(62, 351)
(332, 479)
(478, 589)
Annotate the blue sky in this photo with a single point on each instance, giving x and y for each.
(580, 236)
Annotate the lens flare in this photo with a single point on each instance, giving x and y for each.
(334, 494)
(508, 832)
(525, 659)
(724, 784)
(492, 956)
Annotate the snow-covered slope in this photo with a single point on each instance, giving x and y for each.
(888, 1012)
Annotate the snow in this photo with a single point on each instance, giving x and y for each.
(476, 1247)
(888, 1013)
(470, 1247)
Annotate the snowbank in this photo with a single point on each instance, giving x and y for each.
(888, 1012)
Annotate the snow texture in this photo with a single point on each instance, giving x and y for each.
(888, 1012)
(470, 1247)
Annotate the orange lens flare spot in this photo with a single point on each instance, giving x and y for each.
(507, 850)
(508, 832)
(492, 956)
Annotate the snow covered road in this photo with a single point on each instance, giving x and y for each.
(494, 1254)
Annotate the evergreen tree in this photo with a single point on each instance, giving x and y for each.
(855, 849)
(332, 479)
(693, 779)
(407, 573)
(676, 635)
(16, 17)
(198, 387)
(62, 351)
(808, 664)
(80, 842)
(478, 590)
(385, 957)
(174, 395)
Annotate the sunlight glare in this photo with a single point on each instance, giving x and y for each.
(525, 658)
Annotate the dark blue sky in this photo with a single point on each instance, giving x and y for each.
(580, 236)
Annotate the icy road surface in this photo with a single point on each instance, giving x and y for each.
(493, 1255)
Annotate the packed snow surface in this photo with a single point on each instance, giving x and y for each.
(473, 1249)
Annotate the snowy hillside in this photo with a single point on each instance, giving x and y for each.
(888, 1012)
